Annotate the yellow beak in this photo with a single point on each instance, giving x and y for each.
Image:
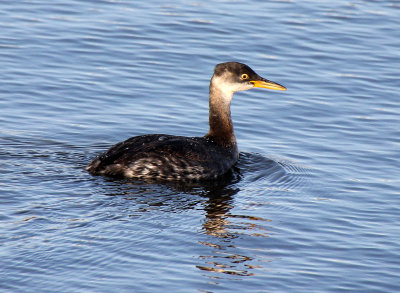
(268, 85)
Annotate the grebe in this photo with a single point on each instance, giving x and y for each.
(169, 157)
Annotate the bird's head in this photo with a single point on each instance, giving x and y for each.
(231, 77)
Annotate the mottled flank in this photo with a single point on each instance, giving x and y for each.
(165, 157)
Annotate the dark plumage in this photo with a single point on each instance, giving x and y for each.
(168, 157)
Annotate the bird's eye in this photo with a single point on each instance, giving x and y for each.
(244, 76)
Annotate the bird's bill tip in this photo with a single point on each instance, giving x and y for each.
(268, 85)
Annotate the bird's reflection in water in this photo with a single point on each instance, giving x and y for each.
(217, 209)
(224, 227)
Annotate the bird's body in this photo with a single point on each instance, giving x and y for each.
(168, 157)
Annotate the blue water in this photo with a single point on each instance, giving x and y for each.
(313, 204)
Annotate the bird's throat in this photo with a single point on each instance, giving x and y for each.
(221, 127)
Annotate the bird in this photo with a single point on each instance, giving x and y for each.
(180, 158)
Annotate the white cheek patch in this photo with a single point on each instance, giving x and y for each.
(227, 87)
(224, 86)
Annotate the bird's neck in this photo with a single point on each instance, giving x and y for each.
(221, 127)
